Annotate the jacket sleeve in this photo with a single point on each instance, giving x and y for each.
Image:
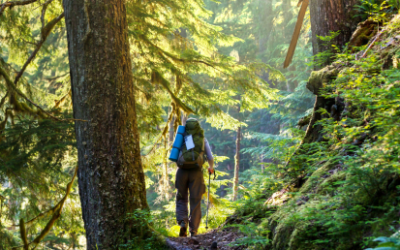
(207, 149)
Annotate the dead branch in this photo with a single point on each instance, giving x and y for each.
(372, 43)
(55, 78)
(62, 100)
(296, 33)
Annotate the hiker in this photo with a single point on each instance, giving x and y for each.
(189, 178)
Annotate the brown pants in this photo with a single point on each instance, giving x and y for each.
(192, 180)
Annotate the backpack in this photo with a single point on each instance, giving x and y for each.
(193, 157)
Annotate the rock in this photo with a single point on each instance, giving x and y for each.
(193, 241)
(320, 79)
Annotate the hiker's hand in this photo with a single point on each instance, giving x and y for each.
(210, 170)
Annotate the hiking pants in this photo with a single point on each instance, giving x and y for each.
(193, 180)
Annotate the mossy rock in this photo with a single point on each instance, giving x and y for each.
(282, 237)
(316, 178)
(321, 78)
(330, 182)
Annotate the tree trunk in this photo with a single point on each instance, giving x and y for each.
(165, 180)
(237, 163)
(168, 145)
(111, 178)
(328, 15)
(184, 119)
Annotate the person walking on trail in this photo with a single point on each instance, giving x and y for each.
(189, 177)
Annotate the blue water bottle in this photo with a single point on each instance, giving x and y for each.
(176, 147)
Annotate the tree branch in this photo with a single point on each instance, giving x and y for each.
(14, 3)
(57, 213)
(372, 43)
(12, 86)
(23, 234)
(3, 100)
(296, 33)
(45, 33)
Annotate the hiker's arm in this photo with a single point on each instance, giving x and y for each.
(210, 157)
(211, 166)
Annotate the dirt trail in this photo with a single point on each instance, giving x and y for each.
(222, 237)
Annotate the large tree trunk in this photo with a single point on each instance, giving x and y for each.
(111, 179)
(326, 16)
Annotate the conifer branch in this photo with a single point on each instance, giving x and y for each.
(44, 34)
(163, 133)
(56, 214)
(41, 111)
(174, 58)
(14, 3)
(12, 86)
(46, 3)
(158, 78)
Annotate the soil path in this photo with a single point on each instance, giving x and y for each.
(224, 239)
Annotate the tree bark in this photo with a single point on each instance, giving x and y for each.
(329, 15)
(326, 16)
(111, 178)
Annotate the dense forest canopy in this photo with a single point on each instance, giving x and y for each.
(298, 101)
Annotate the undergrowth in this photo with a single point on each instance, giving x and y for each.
(345, 193)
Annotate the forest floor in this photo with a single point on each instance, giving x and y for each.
(224, 239)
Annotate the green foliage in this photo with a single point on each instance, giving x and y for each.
(188, 57)
(148, 228)
(340, 192)
(327, 56)
(374, 9)
(386, 243)
(253, 238)
(34, 165)
(394, 4)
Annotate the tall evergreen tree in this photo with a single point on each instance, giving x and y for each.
(111, 178)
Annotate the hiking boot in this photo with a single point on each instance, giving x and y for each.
(183, 230)
(192, 234)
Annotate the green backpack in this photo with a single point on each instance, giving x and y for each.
(195, 156)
